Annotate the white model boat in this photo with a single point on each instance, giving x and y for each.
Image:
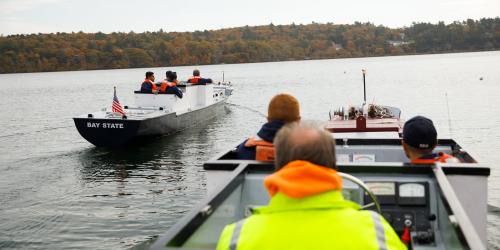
(154, 114)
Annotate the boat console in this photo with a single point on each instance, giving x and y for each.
(440, 206)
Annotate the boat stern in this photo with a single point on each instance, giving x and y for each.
(106, 132)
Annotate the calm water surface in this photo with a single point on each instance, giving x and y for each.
(57, 191)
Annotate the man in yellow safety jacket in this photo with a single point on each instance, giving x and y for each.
(307, 209)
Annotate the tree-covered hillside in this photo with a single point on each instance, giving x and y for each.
(83, 51)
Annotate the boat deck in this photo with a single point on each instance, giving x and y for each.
(440, 219)
(362, 124)
(446, 203)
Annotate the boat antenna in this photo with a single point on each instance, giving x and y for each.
(449, 118)
(364, 85)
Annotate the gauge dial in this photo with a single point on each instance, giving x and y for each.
(382, 188)
(411, 190)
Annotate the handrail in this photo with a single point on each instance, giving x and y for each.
(464, 228)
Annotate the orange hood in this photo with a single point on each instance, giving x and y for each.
(299, 179)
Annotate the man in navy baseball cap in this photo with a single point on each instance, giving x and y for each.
(420, 139)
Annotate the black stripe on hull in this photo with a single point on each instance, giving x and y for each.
(117, 132)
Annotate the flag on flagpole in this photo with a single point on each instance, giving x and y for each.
(116, 107)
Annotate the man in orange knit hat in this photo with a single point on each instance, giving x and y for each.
(282, 109)
(307, 209)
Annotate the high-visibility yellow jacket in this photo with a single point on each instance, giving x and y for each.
(319, 221)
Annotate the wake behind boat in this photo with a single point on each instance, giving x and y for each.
(154, 114)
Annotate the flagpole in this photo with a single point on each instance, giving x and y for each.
(116, 106)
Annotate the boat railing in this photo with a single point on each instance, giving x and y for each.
(458, 217)
(388, 148)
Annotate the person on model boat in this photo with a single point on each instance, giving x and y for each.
(196, 79)
(282, 109)
(169, 85)
(307, 209)
(149, 86)
(169, 74)
(420, 139)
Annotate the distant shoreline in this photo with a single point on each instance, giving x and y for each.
(201, 65)
(268, 43)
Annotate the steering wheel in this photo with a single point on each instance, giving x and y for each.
(365, 188)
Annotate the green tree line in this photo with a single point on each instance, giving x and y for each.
(87, 51)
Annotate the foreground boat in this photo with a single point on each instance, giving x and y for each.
(154, 114)
(443, 206)
(440, 206)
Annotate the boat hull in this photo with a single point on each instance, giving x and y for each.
(117, 132)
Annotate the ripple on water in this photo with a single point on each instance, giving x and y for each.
(59, 192)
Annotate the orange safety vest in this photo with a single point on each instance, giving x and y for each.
(442, 157)
(165, 84)
(264, 150)
(194, 79)
(153, 85)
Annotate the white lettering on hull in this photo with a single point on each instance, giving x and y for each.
(104, 125)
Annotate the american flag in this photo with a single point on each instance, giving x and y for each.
(117, 107)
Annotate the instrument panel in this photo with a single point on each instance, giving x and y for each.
(405, 204)
(412, 190)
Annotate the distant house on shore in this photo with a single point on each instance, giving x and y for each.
(337, 46)
(397, 43)
(401, 41)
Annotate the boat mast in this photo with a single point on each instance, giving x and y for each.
(364, 86)
(449, 118)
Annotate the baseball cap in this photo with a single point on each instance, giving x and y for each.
(419, 132)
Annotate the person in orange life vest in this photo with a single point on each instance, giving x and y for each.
(420, 139)
(167, 82)
(282, 109)
(169, 85)
(149, 86)
(196, 79)
(307, 209)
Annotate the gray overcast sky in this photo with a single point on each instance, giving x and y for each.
(46, 16)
